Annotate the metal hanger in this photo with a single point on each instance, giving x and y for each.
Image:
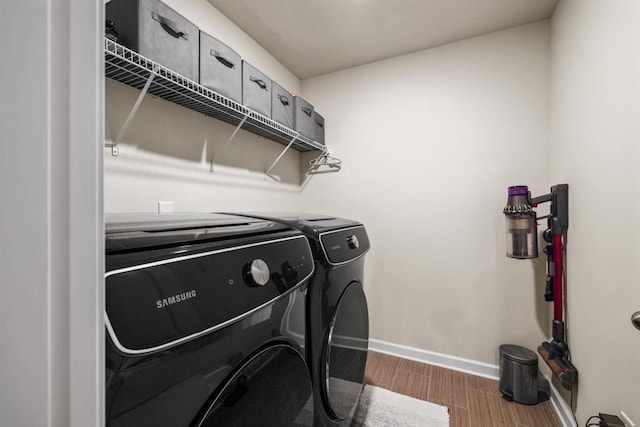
(324, 163)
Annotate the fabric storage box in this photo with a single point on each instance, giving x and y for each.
(318, 124)
(220, 67)
(157, 32)
(281, 105)
(303, 117)
(256, 89)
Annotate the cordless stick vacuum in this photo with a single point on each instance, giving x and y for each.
(522, 243)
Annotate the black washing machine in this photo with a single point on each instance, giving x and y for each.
(206, 322)
(338, 324)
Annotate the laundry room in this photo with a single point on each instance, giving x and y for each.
(432, 118)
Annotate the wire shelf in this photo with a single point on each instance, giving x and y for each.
(132, 69)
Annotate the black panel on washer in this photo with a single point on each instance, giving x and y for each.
(344, 245)
(173, 278)
(342, 239)
(163, 302)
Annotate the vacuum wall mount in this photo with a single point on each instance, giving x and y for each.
(522, 243)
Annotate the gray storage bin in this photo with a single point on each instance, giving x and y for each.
(256, 89)
(318, 124)
(220, 68)
(157, 32)
(281, 105)
(303, 117)
(518, 374)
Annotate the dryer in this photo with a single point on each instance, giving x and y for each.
(338, 327)
(206, 322)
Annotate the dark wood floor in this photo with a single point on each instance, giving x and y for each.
(472, 400)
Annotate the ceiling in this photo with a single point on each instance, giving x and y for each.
(314, 37)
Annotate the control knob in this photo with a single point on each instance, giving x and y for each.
(352, 242)
(257, 272)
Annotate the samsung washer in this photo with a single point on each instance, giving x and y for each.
(206, 322)
(338, 327)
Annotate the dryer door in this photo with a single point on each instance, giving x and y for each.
(346, 351)
(272, 388)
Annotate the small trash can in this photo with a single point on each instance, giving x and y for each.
(518, 374)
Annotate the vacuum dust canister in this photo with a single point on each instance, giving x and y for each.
(520, 222)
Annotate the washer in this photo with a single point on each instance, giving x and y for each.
(206, 322)
(338, 327)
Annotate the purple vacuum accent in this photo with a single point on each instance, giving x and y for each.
(518, 190)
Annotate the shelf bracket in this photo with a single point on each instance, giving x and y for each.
(266, 174)
(226, 145)
(134, 110)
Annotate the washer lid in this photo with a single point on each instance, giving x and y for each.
(121, 222)
(137, 231)
(309, 223)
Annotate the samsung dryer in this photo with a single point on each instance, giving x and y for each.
(206, 322)
(338, 328)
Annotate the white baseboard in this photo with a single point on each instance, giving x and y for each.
(467, 366)
(562, 408)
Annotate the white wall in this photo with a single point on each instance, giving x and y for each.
(166, 153)
(51, 226)
(595, 135)
(430, 142)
